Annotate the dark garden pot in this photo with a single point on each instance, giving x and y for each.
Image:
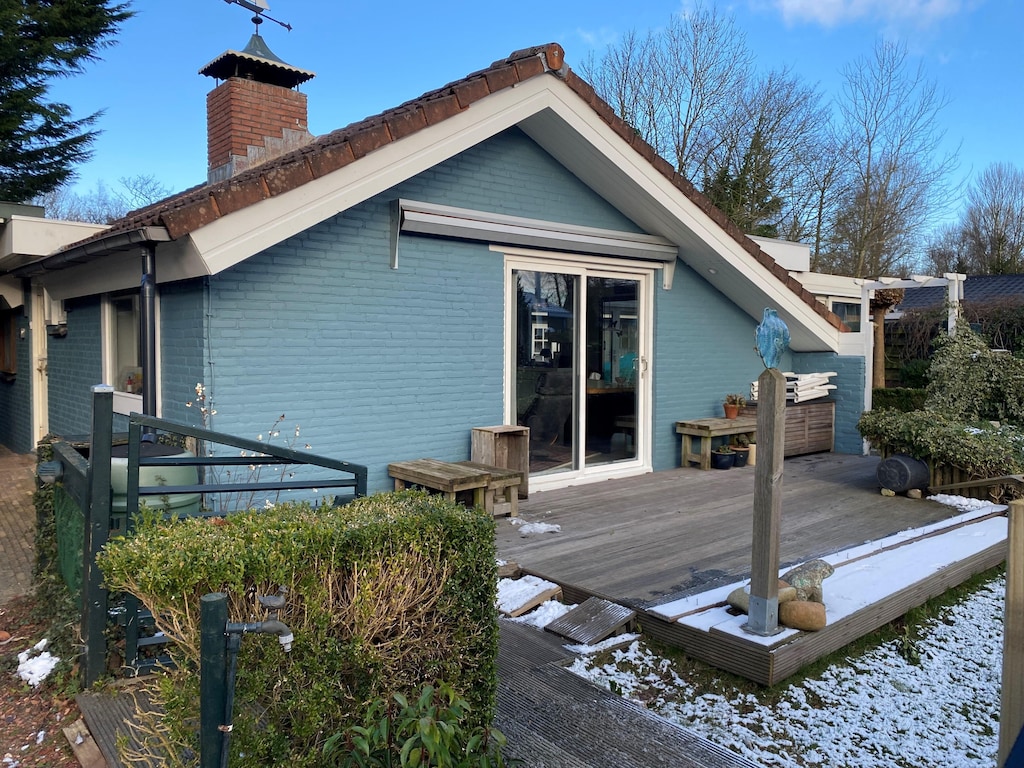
(722, 460)
(741, 455)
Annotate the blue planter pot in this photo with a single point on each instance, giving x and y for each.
(722, 460)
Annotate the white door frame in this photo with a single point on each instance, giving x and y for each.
(587, 266)
(40, 373)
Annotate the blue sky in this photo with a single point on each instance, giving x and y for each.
(370, 55)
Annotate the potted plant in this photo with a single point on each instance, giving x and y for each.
(741, 447)
(722, 457)
(732, 405)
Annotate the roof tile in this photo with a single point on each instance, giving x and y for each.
(330, 158)
(188, 218)
(239, 193)
(470, 90)
(284, 178)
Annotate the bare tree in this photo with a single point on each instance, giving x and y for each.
(678, 86)
(948, 251)
(993, 225)
(101, 205)
(889, 113)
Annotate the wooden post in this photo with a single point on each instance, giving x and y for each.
(763, 616)
(1011, 716)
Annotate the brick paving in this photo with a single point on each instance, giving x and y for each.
(17, 523)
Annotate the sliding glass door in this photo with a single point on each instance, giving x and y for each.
(578, 368)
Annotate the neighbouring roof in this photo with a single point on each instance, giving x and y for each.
(978, 289)
(203, 205)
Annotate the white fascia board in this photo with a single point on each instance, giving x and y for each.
(809, 330)
(176, 260)
(31, 236)
(234, 238)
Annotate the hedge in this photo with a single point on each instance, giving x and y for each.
(385, 595)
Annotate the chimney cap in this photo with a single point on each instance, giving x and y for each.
(257, 62)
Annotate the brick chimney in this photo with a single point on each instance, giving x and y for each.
(256, 113)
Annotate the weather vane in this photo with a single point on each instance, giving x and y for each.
(260, 8)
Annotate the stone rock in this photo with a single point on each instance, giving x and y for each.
(914, 493)
(803, 614)
(4, 636)
(807, 578)
(739, 598)
(888, 492)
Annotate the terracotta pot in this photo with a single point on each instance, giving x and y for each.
(731, 410)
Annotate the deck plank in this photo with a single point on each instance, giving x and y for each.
(643, 540)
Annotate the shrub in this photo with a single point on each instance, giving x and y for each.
(914, 373)
(982, 450)
(898, 398)
(968, 382)
(384, 595)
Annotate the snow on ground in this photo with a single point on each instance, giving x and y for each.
(35, 664)
(525, 529)
(513, 593)
(874, 710)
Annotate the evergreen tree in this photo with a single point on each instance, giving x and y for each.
(41, 141)
(745, 194)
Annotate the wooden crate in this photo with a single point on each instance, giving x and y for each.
(810, 427)
(506, 446)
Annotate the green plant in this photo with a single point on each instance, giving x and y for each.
(979, 448)
(968, 382)
(735, 399)
(898, 398)
(723, 449)
(430, 732)
(914, 373)
(387, 593)
(741, 441)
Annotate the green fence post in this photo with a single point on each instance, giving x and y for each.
(97, 531)
(213, 618)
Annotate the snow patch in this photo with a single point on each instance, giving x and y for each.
(36, 664)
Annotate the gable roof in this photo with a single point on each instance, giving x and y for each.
(210, 227)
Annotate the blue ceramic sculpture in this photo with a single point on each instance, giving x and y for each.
(771, 338)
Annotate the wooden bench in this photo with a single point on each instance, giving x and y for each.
(706, 429)
(502, 495)
(493, 488)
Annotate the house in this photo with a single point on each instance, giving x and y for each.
(27, 315)
(501, 250)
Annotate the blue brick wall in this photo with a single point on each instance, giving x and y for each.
(704, 349)
(849, 393)
(182, 348)
(16, 395)
(75, 365)
(379, 365)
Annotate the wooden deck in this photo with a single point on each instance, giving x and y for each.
(650, 540)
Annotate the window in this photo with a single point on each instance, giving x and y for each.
(849, 313)
(121, 356)
(8, 342)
